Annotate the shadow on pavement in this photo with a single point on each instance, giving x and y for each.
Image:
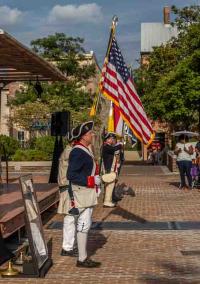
(177, 274)
(137, 163)
(165, 280)
(175, 184)
(96, 241)
(127, 215)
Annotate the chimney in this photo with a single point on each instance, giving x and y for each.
(166, 15)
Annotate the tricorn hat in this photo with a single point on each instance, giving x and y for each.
(80, 130)
(110, 134)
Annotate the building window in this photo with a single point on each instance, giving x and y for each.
(20, 136)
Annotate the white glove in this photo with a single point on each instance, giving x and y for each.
(98, 190)
(97, 180)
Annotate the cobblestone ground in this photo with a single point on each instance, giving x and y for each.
(153, 237)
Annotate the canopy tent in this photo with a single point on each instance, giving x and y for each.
(18, 63)
(185, 133)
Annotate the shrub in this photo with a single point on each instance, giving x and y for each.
(41, 150)
(10, 144)
(45, 144)
(30, 155)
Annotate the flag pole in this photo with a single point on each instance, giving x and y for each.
(97, 99)
(112, 34)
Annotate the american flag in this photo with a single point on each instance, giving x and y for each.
(117, 85)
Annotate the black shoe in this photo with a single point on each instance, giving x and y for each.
(75, 249)
(181, 187)
(73, 252)
(88, 263)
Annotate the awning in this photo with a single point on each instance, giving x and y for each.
(18, 63)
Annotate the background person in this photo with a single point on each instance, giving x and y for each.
(111, 157)
(197, 148)
(184, 152)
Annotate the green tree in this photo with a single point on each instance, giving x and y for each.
(186, 16)
(170, 84)
(30, 113)
(68, 54)
(8, 145)
(45, 144)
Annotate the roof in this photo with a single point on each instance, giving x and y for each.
(19, 63)
(156, 34)
(91, 55)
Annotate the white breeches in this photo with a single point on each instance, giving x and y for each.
(84, 221)
(68, 232)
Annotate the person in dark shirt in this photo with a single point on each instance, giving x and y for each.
(110, 155)
(197, 150)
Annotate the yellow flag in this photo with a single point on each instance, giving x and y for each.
(93, 110)
(111, 126)
(95, 104)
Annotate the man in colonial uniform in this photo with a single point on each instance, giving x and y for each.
(84, 182)
(111, 162)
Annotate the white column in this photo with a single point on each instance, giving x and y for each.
(4, 115)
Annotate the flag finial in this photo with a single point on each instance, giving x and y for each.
(114, 20)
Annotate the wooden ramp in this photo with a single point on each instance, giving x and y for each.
(12, 209)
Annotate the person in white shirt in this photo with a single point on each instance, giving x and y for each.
(184, 151)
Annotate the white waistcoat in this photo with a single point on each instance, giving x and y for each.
(83, 196)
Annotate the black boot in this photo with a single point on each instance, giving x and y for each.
(73, 252)
(88, 263)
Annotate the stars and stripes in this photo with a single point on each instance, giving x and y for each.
(118, 86)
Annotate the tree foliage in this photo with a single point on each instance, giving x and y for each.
(25, 115)
(170, 84)
(8, 145)
(68, 55)
(66, 52)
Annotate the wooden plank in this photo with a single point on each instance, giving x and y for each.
(11, 205)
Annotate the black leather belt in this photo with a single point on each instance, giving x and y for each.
(63, 188)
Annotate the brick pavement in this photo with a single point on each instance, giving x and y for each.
(171, 255)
